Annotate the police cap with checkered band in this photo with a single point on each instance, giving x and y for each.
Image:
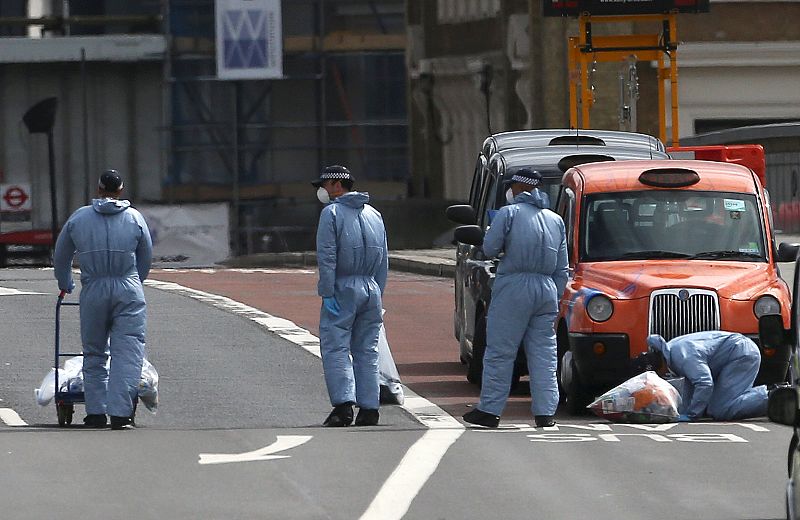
(334, 172)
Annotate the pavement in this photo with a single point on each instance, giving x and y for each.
(431, 262)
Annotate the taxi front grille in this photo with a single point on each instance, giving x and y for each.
(675, 312)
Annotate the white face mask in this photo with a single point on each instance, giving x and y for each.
(509, 196)
(322, 195)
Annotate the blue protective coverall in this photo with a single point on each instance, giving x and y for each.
(114, 250)
(719, 368)
(353, 265)
(531, 277)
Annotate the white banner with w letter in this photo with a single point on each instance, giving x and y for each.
(249, 39)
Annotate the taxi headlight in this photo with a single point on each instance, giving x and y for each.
(766, 305)
(599, 307)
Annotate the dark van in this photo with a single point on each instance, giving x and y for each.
(554, 137)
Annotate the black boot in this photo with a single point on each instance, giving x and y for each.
(121, 423)
(543, 421)
(341, 415)
(95, 420)
(367, 417)
(481, 418)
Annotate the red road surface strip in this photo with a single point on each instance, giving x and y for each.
(419, 324)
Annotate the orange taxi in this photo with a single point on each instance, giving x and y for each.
(663, 247)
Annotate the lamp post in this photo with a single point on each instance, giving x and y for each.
(39, 119)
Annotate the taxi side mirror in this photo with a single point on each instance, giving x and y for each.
(787, 252)
(461, 214)
(771, 332)
(782, 406)
(472, 235)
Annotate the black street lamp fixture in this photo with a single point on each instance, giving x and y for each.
(40, 119)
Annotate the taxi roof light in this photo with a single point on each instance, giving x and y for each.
(669, 177)
(576, 160)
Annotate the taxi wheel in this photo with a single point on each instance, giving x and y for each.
(578, 396)
(562, 347)
(475, 363)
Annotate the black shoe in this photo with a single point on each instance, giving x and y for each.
(481, 418)
(367, 417)
(341, 415)
(95, 420)
(543, 421)
(121, 423)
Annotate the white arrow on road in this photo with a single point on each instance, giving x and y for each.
(284, 442)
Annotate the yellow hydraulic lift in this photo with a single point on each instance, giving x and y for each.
(586, 49)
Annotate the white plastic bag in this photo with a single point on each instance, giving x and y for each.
(148, 386)
(47, 390)
(70, 378)
(391, 387)
(645, 398)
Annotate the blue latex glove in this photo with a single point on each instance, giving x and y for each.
(332, 305)
(684, 418)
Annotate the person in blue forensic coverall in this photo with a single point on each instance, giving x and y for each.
(353, 263)
(114, 250)
(531, 276)
(719, 368)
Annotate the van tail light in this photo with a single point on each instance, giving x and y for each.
(599, 348)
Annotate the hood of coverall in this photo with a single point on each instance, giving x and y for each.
(110, 206)
(657, 343)
(535, 197)
(353, 199)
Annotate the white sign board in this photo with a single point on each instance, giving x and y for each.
(249, 39)
(188, 235)
(15, 197)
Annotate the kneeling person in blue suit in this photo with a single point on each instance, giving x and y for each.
(720, 368)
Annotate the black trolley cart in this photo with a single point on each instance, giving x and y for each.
(66, 400)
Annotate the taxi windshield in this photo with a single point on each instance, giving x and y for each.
(670, 224)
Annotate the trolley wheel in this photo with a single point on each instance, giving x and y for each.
(64, 412)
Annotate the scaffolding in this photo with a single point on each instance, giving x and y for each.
(257, 142)
(586, 49)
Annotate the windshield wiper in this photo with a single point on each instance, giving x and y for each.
(713, 255)
(644, 255)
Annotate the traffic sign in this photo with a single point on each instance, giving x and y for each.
(15, 197)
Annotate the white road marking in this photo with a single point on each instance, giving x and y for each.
(420, 461)
(8, 291)
(236, 270)
(11, 418)
(615, 437)
(607, 427)
(284, 442)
